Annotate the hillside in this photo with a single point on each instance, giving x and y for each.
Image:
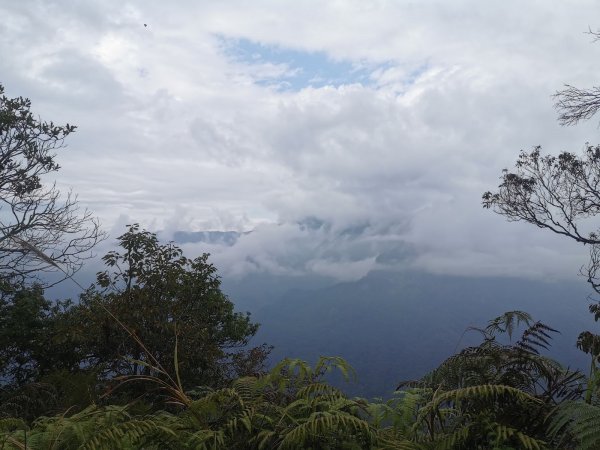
(392, 327)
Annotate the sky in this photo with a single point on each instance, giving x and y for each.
(339, 137)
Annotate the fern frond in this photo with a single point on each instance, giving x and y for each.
(504, 434)
(324, 424)
(579, 420)
(507, 322)
(319, 389)
(327, 364)
(397, 444)
(247, 388)
(11, 423)
(486, 391)
(136, 431)
(536, 336)
(452, 440)
(206, 440)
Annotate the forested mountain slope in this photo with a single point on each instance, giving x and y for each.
(395, 326)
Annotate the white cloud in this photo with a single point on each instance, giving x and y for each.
(174, 133)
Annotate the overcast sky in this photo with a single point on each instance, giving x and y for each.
(346, 135)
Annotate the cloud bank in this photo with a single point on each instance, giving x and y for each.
(345, 136)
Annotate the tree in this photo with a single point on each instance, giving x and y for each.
(33, 333)
(562, 194)
(576, 104)
(39, 227)
(153, 307)
(26, 331)
(40, 370)
(559, 193)
(555, 193)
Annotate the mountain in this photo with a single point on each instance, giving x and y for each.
(397, 326)
(225, 238)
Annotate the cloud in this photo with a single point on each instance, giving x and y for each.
(311, 247)
(382, 122)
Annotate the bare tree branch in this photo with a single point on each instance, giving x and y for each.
(34, 215)
(555, 193)
(575, 104)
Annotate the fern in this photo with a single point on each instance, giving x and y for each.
(503, 434)
(247, 388)
(536, 336)
(507, 322)
(137, 432)
(577, 421)
(323, 426)
(487, 396)
(453, 440)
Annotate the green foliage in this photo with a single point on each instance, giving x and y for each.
(31, 345)
(93, 428)
(493, 396)
(589, 343)
(39, 370)
(292, 407)
(151, 301)
(157, 324)
(25, 322)
(577, 424)
(289, 408)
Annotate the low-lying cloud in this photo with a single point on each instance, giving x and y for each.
(380, 167)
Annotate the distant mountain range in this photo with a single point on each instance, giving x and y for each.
(398, 326)
(227, 238)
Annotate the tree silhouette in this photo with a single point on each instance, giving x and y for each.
(39, 228)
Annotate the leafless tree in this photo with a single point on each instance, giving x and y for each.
(40, 229)
(575, 104)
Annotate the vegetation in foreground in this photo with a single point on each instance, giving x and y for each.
(491, 396)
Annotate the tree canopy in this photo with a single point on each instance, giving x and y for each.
(153, 313)
(171, 304)
(562, 194)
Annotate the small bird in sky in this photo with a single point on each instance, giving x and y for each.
(145, 25)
